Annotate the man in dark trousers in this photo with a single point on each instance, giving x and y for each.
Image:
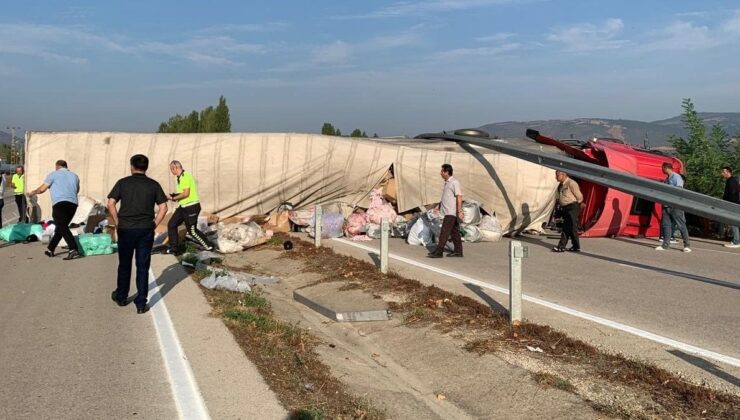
(64, 185)
(732, 194)
(451, 208)
(569, 199)
(672, 215)
(186, 195)
(135, 223)
(18, 183)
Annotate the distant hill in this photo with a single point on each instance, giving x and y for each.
(629, 131)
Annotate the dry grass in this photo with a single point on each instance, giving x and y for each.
(485, 330)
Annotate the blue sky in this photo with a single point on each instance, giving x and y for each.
(381, 66)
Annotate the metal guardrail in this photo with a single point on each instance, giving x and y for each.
(689, 201)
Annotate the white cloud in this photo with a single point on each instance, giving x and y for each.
(244, 28)
(681, 36)
(338, 52)
(500, 37)
(72, 44)
(412, 8)
(586, 37)
(478, 52)
(732, 25)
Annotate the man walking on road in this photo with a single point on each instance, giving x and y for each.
(186, 195)
(569, 199)
(2, 197)
(64, 185)
(732, 194)
(672, 215)
(135, 224)
(451, 208)
(18, 182)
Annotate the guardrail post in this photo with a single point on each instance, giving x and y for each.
(317, 225)
(384, 233)
(516, 253)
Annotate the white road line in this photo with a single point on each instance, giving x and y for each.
(185, 391)
(688, 348)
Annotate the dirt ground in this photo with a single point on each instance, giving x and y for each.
(414, 371)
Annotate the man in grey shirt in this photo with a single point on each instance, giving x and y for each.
(451, 208)
(64, 185)
(673, 215)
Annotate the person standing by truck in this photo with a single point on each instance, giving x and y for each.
(569, 198)
(732, 194)
(186, 196)
(673, 215)
(18, 183)
(2, 197)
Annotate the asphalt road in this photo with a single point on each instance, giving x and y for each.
(691, 297)
(67, 351)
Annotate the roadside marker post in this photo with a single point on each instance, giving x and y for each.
(517, 252)
(384, 233)
(317, 226)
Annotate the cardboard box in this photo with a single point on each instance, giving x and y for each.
(389, 190)
(232, 220)
(212, 218)
(279, 222)
(92, 223)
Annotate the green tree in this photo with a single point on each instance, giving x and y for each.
(221, 117)
(356, 133)
(208, 120)
(328, 130)
(364, 134)
(702, 154)
(338, 133)
(375, 135)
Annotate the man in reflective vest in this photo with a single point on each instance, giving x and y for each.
(186, 195)
(18, 182)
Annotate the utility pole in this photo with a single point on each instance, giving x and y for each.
(12, 142)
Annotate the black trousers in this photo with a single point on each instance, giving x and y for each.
(189, 216)
(62, 213)
(20, 201)
(570, 226)
(132, 242)
(450, 227)
(2, 204)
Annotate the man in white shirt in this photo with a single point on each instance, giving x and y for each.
(451, 208)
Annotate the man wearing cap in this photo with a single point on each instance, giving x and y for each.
(186, 195)
(18, 183)
(64, 185)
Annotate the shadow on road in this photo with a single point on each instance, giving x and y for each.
(169, 278)
(674, 273)
(707, 366)
(488, 299)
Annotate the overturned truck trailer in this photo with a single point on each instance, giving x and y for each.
(253, 173)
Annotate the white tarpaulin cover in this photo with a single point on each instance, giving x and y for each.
(253, 173)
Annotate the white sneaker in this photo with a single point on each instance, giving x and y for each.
(687, 249)
(660, 248)
(731, 245)
(674, 241)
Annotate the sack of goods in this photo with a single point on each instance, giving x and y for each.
(302, 217)
(470, 233)
(20, 232)
(490, 229)
(373, 231)
(420, 233)
(94, 244)
(471, 212)
(356, 224)
(332, 225)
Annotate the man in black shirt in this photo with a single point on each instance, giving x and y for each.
(732, 194)
(135, 223)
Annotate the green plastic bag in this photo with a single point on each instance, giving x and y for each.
(20, 231)
(94, 244)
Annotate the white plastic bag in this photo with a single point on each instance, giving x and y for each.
(420, 233)
(471, 212)
(471, 233)
(490, 229)
(373, 230)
